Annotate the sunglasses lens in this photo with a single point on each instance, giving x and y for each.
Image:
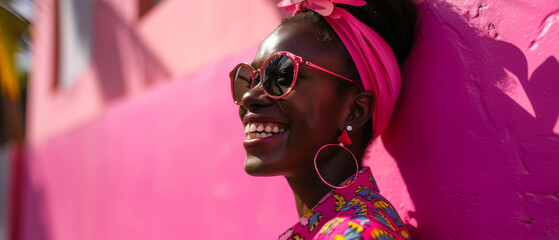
(241, 82)
(277, 75)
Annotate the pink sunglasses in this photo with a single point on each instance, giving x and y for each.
(278, 75)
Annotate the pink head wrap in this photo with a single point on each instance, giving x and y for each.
(373, 57)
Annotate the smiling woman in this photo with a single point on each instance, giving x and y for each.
(322, 86)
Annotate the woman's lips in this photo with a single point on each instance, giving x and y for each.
(263, 131)
(259, 141)
(262, 127)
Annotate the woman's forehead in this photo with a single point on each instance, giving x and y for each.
(297, 38)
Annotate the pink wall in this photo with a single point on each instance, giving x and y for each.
(132, 54)
(471, 153)
(162, 166)
(474, 142)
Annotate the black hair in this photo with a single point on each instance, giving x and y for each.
(393, 20)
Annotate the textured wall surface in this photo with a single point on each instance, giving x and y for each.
(147, 144)
(474, 142)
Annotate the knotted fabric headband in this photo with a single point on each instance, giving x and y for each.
(373, 57)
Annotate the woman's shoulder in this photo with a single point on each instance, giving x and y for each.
(367, 216)
(341, 227)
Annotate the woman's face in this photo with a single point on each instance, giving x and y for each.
(312, 115)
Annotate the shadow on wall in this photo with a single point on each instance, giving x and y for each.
(473, 133)
(20, 217)
(37, 217)
(120, 55)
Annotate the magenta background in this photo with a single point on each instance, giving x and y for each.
(475, 133)
(148, 145)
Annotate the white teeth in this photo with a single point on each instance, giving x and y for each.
(262, 130)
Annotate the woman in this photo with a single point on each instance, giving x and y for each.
(322, 86)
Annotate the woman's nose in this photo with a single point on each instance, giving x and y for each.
(255, 97)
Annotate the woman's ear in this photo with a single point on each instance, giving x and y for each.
(361, 109)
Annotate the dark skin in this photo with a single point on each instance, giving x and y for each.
(314, 114)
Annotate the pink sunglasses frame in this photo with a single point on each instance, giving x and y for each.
(297, 60)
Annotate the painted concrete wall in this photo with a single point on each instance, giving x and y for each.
(165, 165)
(147, 144)
(474, 142)
(132, 54)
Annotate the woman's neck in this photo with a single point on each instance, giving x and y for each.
(307, 192)
(308, 188)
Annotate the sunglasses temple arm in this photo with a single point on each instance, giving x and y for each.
(333, 73)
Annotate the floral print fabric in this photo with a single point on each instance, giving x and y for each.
(351, 213)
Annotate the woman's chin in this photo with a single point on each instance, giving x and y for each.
(254, 166)
(253, 171)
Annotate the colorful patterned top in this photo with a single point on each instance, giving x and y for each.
(354, 212)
